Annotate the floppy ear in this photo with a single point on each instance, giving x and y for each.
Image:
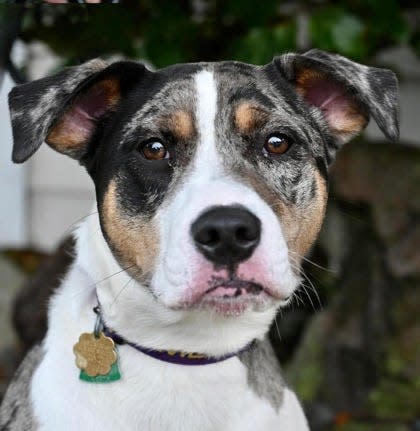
(65, 109)
(346, 93)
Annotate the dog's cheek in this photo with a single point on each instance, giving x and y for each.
(134, 240)
(301, 224)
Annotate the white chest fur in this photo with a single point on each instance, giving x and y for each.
(152, 395)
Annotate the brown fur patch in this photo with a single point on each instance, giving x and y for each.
(300, 225)
(350, 122)
(248, 116)
(71, 133)
(134, 240)
(180, 123)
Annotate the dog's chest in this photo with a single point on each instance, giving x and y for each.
(151, 396)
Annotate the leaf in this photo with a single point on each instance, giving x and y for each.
(260, 45)
(347, 33)
(334, 29)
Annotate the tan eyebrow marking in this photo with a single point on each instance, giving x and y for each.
(248, 116)
(180, 123)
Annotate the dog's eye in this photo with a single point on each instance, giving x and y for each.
(154, 150)
(277, 144)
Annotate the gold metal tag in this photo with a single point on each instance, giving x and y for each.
(95, 355)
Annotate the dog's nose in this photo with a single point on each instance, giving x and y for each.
(226, 234)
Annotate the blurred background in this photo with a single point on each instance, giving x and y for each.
(350, 344)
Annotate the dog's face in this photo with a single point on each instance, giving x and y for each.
(209, 192)
(211, 178)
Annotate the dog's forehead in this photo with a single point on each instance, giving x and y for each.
(174, 90)
(167, 96)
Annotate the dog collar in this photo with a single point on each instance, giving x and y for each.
(97, 356)
(173, 356)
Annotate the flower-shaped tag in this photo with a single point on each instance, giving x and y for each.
(95, 355)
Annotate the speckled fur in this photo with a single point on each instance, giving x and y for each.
(46, 103)
(375, 89)
(145, 213)
(261, 378)
(16, 412)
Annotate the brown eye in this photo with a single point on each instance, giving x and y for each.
(277, 144)
(154, 150)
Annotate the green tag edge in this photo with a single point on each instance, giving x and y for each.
(113, 375)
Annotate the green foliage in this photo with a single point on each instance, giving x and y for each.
(305, 372)
(165, 32)
(396, 394)
(333, 29)
(387, 22)
(259, 45)
(361, 426)
(167, 25)
(359, 28)
(394, 398)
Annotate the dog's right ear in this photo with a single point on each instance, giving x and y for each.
(64, 109)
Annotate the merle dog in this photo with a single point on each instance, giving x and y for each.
(211, 185)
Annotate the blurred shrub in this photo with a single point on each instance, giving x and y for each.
(165, 32)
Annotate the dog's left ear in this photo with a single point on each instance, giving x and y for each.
(347, 93)
(67, 109)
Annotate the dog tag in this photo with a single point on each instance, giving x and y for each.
(112, 376)
(97, 358)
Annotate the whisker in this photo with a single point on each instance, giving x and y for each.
(121, 290)
(277, 328)
(312, 287)
(308, 296)
(71, 227)
(313, 263)
(112, 275)
(296, 298)
(94, 284)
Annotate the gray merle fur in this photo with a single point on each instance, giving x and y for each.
(16, 412)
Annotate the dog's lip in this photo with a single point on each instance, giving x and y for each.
(236, 285)
(250, 292)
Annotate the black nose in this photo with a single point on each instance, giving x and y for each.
(226, 234)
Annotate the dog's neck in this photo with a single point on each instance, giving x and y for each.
(135, 314)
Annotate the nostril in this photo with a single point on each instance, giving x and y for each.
(244, 235)
(209, 237)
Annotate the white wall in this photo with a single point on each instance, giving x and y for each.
(13, 208)
(59, 194)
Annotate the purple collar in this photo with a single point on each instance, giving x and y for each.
(173, 356)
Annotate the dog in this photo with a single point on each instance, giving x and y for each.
(211, 183)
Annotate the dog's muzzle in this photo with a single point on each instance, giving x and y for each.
(226, 235)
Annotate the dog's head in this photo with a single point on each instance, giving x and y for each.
(211, 178)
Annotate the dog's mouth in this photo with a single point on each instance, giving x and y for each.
(233, 288)
(234, 296)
